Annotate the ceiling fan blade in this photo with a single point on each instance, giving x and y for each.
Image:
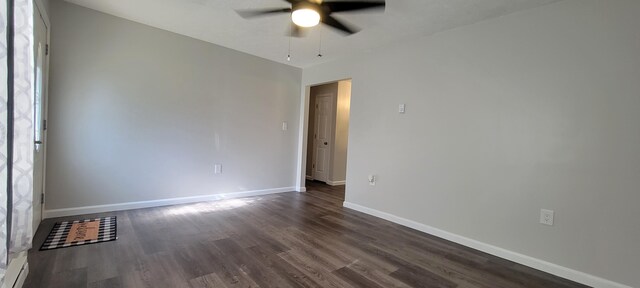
(342, 6)
(339, 25)
(251, 13)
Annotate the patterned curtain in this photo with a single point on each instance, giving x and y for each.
(23, 145)
(16, 177)
(3, 140)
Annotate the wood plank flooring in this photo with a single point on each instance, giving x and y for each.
(281, 240)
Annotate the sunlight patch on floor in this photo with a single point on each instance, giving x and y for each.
(205, 207)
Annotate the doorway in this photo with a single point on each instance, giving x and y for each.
(41, 61)
(328, 132)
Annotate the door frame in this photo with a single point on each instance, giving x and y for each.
(303, 145)
(40, 11)
(329, 163)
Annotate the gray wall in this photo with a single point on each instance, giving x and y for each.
(137, 113)
(533, 110)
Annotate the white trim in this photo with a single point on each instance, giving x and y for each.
(301, 189)
(542, 265)
(336, 183)
(39, 7)
(301, 169)
(16, 272)
(23, 276)
(156, 203)
(303, 133)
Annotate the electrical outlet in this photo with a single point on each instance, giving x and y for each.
(217, 169)
(546, 217)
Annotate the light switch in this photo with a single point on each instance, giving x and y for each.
(401, 108)
(285, 126)
(372, 180)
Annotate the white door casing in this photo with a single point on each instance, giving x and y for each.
(40, 111)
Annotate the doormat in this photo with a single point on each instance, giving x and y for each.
(81, 232)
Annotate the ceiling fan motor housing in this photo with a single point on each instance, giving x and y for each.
(308, 13)
(308, 5)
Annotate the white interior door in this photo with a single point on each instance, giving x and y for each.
(322, 140)
(40, 101)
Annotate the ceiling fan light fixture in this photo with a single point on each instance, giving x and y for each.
(305, 17)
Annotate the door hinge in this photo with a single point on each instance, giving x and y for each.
(44, 124)
(313, 166)
(46, 49)
(42, 198)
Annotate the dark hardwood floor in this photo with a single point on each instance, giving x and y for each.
(281, 240)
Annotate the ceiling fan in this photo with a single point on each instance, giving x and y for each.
(309, 13)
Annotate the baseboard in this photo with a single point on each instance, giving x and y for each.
(22, 277)
(301, 189)
(542, 265)
(16, 271)
(157, 203)
(336, 183)
(308, 177)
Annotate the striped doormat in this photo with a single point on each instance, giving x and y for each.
(81, 232)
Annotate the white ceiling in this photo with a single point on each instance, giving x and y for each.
(215, 21)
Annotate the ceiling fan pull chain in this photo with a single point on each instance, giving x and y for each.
(320, 43)
(290, 33)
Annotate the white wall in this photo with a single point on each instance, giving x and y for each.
(137, 114)
(537, 109)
